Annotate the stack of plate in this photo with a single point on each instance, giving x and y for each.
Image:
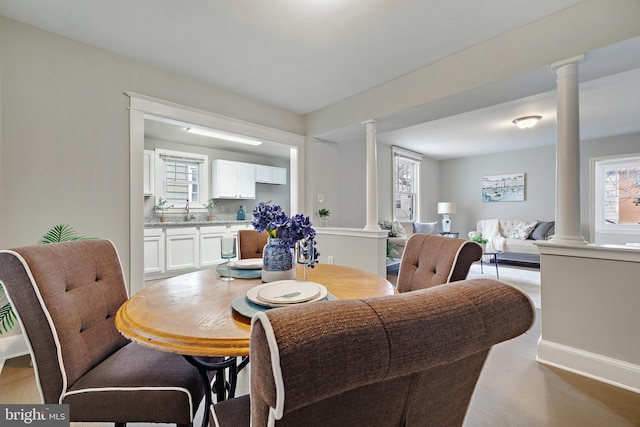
(286, 292)
(248, 264)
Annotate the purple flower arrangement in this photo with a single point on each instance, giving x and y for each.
(272, 219)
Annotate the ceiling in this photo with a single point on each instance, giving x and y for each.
(304, 56)
(175, 131)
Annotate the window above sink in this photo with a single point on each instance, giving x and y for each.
(182, 176)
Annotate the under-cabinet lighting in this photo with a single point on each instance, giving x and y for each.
(222, 135)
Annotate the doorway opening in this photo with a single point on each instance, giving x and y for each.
(142, 110)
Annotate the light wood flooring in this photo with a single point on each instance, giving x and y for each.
(513, 391)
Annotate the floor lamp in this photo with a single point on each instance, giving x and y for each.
(446, 208)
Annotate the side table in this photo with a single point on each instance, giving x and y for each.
(393, 265)
(493, 255)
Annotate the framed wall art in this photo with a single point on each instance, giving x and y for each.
(503, 188)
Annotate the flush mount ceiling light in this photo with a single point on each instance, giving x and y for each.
(527, 122)
(222, 135)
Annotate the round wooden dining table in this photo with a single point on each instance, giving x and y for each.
(191, 314)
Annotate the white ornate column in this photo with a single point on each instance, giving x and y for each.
(568, 154)
(372, 177)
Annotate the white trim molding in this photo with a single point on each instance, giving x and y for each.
(354, 247)
(12, 346)
(589, 311)
(591, 365)
(143, 107)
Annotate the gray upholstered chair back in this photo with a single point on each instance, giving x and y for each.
(251, 243)
(410, 359)
(74, 313)
(430, 260)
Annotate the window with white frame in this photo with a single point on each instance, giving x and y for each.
(182, 176)
(406, 185)
(617, 193)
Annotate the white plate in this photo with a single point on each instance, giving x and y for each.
(252, 295)
(288, 292)
(248, 264)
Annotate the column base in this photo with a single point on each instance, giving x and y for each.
(568, 240)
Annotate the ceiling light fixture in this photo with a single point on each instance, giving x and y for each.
(223, 135)
(527, 122)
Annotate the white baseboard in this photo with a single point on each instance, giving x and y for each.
(12, 346)
(596, 366)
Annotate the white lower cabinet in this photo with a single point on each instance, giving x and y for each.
(210, 253)
(182, 248)
(173, 249)
(153, 250)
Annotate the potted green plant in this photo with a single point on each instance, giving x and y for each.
(7, 316)
(324, 217)
(211, 205)
(479, 240)
(162, 206)
(391, 250)
(61, 233)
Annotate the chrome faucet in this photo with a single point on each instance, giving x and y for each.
(186, 218)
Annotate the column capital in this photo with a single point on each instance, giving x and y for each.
(574, 60)
(370, 122)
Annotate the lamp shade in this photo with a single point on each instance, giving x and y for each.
(446, 208)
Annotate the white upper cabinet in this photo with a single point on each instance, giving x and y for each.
(233, 180)
(271, 175)
(149, 180)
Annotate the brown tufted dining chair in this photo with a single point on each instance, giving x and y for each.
(251, 243)
(409, 359)
(430, 260)
(66, 296)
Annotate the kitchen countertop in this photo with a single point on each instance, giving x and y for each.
(180, 221)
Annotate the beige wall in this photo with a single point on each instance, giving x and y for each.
(65, 133)
(461, 182)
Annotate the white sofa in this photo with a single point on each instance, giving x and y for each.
(509, 247)
(400, 240)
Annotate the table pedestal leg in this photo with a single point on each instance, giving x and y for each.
(220, 383)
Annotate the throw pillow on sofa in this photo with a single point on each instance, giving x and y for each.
(425, 227)
(394, 227)
(543, 230)
(523, 230)
(385, 225)
(397, 230)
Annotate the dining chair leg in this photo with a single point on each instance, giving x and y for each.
(244, 362)
(233, 381)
